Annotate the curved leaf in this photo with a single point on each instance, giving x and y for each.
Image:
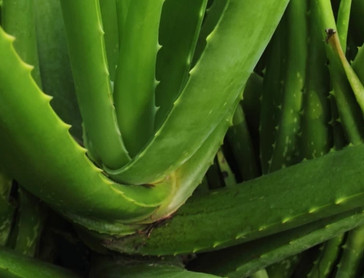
(231, 53)
(60, 172)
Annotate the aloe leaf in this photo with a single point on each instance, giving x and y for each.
(185, 179)
(284, 151)
(251, 103)
(338, 44)
(122, 7)
(179, 29)
(211, 19)
(110, 27)
(349, 111)
(18, 20)
(144, 269)
(233, 262)
(352, 254)
(29, 224)
(343, 18)
(15, 265)
(226, 172)
(316, 135)
(284, 268)
(91, 76)
(260, 274)
(338, 133)
(190, 174)
(214, 177)
(6, 209)
(55, 68)
(135, 76)
(125, 203)
(357, 21)
(324, 264)
(239, 140)
(358, 63)
(262, 211)
(45, 143)
(272, 95)
(228, 50)
(353, 79)
(5, 185)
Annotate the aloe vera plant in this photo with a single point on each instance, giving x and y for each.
(112, 111)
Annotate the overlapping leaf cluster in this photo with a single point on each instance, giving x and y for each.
(143, 94)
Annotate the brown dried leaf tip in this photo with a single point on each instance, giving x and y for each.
(329, 33)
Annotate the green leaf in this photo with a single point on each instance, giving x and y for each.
(110, 27)
(14, 265)
(300, 195)
(284, 151)
(243, 260)
(144, 269)
(316, 134)
(349, 264)
(325, 263)
(90, 72)
(240, 142)
(36, 153)
(343, 19)
(135, 75)
(29, 224)
(232, 51)
(54, 63)
(179, 29)
(18, 20)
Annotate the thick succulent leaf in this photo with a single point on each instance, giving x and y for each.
(55, 68)
(240, 142)
(251, 103)
(45, 159)
(191, 173)
(135, 75)
(349, 110)
(14, 265)
(178, 33)
(18, 20)
(6, 218)
(358, 63)
(242, 260)
(29, 224)
(110, 27)
(93, 88)
(212, 16)
(343, 19)
(59, 152)
(231, 53)
(325, 263)
(316, 136)
(353, 79)
(352, 255)
(144, 269)
(285, 151)
(6, 209)
(270, 109)
(5, 185)
(301, 194)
